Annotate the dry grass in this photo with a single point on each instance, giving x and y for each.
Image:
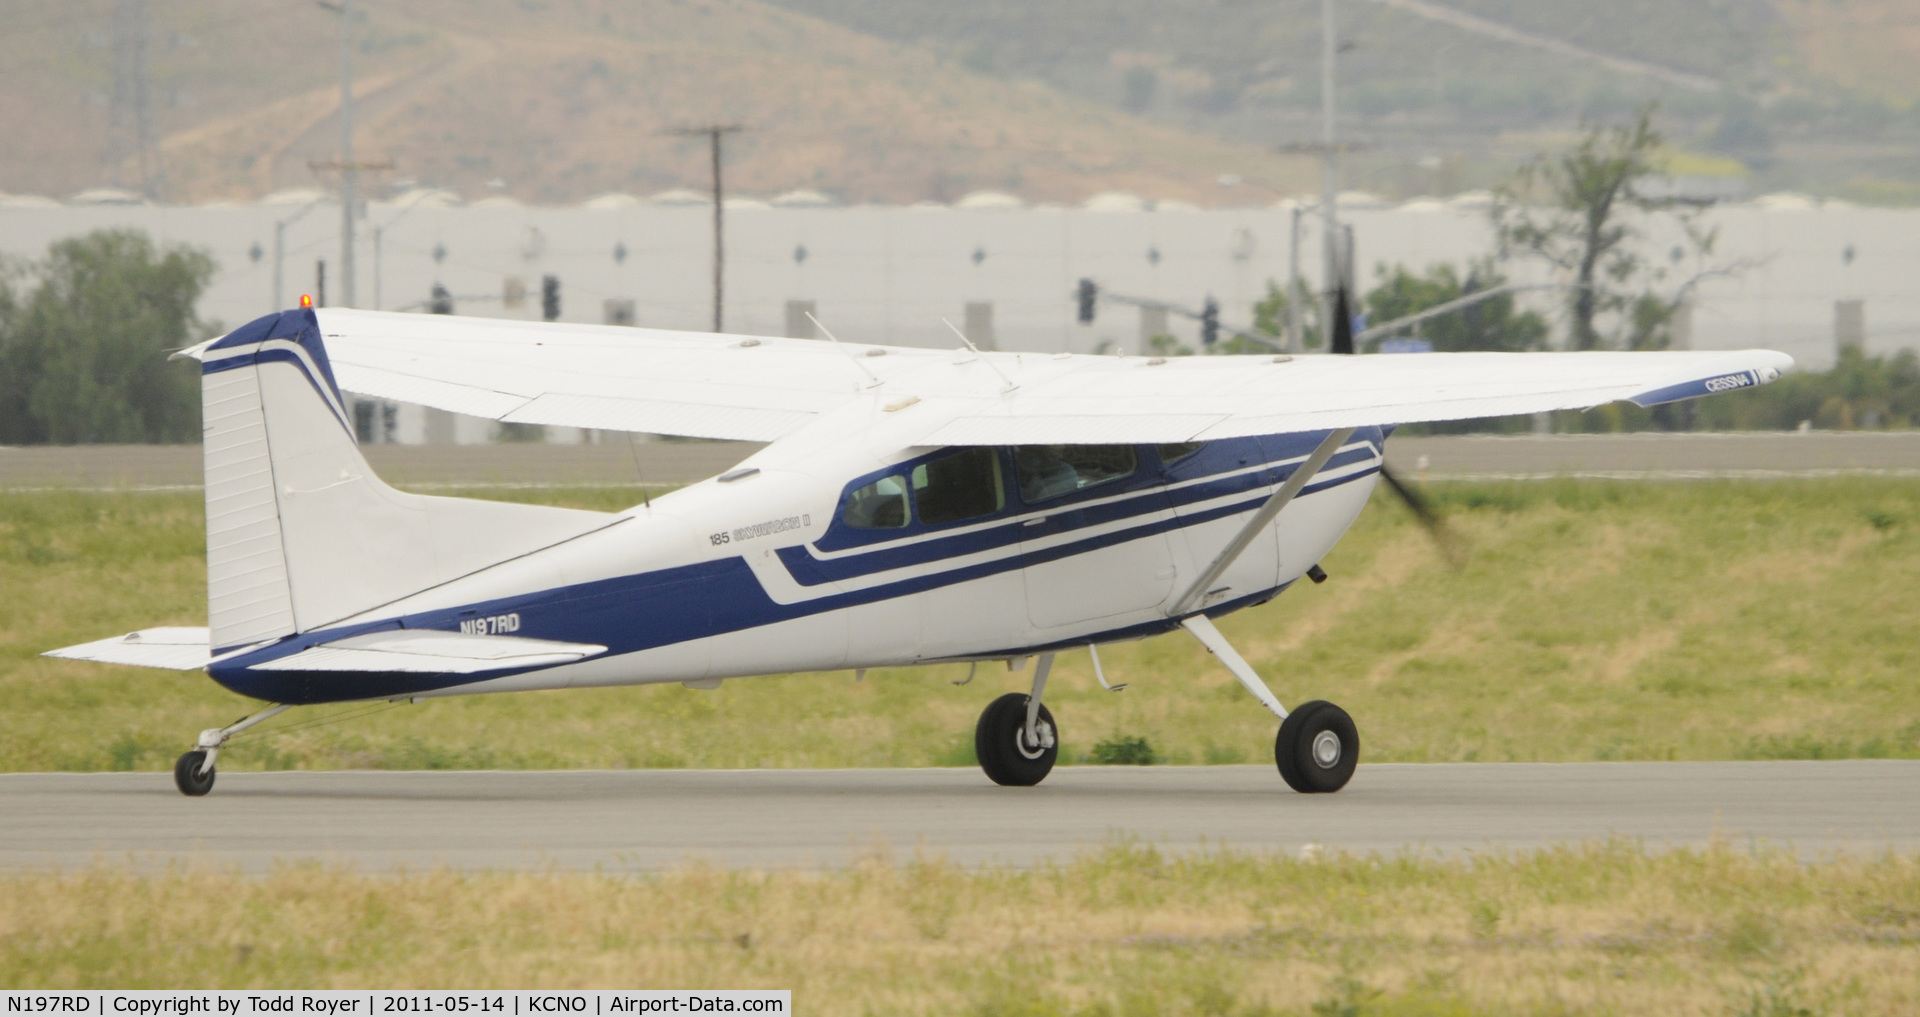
(1593, 929)
(1594, 621)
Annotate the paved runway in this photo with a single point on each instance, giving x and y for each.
(649, 819)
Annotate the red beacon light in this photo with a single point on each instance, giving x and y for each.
(306, 300)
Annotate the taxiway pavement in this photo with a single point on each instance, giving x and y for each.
(652, 819)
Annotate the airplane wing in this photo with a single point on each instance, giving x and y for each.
(762, 388)
(1200, 398)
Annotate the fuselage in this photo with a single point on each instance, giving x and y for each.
(833, 550)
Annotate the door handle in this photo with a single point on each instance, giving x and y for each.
(1035, 522)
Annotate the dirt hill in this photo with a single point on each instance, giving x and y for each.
(557, 100)
(899, 100)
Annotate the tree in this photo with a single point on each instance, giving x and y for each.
(83, 356)
(1492, 324)
(1270, 318)
(1580, 228)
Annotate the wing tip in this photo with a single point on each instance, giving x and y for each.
(1737, 370)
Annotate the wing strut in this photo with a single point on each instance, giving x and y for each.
(1297, 480)
(1202, 628)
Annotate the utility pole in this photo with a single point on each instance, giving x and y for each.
(1330, 175)
(714, 132)
(349, 169)
(349, 173)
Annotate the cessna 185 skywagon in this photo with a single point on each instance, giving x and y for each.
(914, 506)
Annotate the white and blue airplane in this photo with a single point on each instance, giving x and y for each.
(912, 506)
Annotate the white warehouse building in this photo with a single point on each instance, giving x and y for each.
(1004, 271)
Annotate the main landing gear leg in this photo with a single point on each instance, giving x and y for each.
(193, 771)
(1016, 740)
(1318, 745)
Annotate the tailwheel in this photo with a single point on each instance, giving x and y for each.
(1317, 748)
(193, 774)
(1008, 753)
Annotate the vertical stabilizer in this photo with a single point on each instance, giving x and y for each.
(300, 532)
(248, 597)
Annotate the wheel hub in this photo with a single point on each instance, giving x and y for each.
(1326, 750)
(1028, 749)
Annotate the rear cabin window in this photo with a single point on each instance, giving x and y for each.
(881, 505)
(964, 485)
(1051, 471)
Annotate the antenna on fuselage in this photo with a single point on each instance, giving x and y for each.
(634, 447)
(842, 349)
(983, 358)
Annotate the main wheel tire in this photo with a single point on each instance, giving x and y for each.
(1317, 748)
(1000, 742)
(187, 776)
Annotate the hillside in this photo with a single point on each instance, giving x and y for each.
(556, 101)
(1809, 94)
(900, 100)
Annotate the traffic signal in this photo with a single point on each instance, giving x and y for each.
(1210, 323)
(550, 298)
(1089, 292)
(441, 302)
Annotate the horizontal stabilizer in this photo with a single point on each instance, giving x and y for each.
(177, 649)
(425, 651)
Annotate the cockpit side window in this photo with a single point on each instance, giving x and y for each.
(964, 485)
(1052, 471)
(881, 505)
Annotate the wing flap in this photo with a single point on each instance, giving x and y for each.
(424, 651)
(173, 648)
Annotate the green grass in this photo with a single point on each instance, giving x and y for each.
(1602, 929)
(1593, 621)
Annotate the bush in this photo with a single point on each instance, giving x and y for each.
(1124, 751)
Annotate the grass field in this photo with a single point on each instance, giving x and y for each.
(1124, 932)
(1594, 620)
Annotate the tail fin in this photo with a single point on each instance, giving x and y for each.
(300, 532)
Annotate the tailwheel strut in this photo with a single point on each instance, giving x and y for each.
(193, 772)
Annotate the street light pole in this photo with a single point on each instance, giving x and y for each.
(379, 270)
(1295, 292)
(280, 252)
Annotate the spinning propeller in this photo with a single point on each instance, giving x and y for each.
(1449, 542)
